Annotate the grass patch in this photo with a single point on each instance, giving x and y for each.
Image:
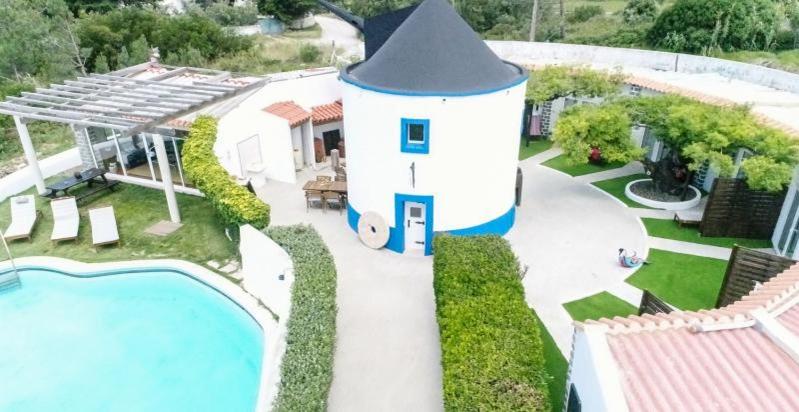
(48, 139)
(562, 163)
(557, 367)
(272, 55)
(307, 369)
(685, 281)
(668, 229)
(202, 237)
(601, 305)
(313, 32)
(784, 60)
(491, 347)
(615, 187)
(535, 147)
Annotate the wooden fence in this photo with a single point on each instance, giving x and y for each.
(735, 210)
(747, 268)
(652, 304)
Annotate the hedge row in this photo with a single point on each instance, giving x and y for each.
(235, 204)
(307, 368)
(491, 348)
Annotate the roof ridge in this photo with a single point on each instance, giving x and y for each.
(771, 296)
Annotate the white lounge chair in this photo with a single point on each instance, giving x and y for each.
(104, 226)
(23, 218)
(66, 219)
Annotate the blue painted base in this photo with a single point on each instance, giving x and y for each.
(396, 241)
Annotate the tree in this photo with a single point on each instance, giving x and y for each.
(286, 10)
(586, 127)
(638, 11)
(101, 65)
(34, 40)
(701, 26)
(139, 51)
(553, 82)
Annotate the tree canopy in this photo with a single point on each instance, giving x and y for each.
(700, 26)
(286, 10)
(700, 133)
(553, 82)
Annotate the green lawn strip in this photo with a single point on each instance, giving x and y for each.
(535, 147)
(685, 281)
(200, 239)
(561, 163)
(615, 187)
(556, 365)
(669, 229)
(306, 371)
(601, 305)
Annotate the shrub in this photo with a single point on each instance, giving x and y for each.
(309, 53)
(227, 15)
(640, 10)
(234, 203)
(585, 13)
(491, 348)
(307, 368)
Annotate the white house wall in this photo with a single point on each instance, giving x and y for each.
(320, 129)
(471, 165)
(594, 373)
(275, 140)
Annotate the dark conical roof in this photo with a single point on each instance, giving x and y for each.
(434, 52)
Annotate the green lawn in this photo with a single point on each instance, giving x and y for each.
(685, 281)
(557, 367)
(615, 187)
(669, 229)
(601, 305)
(562, 164)
(535, 147)
(201, 238)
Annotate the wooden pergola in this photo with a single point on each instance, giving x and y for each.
(126, 105)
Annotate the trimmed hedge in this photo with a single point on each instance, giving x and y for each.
(234, 203)
(307, 368)
(491, 348)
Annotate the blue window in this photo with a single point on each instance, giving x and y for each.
(415, 136)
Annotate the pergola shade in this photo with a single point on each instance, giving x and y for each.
(125, 104)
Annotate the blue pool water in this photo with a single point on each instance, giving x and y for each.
(156, 341)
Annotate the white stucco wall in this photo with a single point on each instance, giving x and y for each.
(470, 169)
(319, 129)
(594, 373)
(275, 138)
(22, 179)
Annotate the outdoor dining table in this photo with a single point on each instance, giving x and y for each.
(90, 176)
(334, 186)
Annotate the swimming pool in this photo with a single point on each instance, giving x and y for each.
(146, 341)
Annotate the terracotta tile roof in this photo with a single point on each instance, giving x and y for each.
(705, 98)
(290, 111)
(327, 113)
(714, 359)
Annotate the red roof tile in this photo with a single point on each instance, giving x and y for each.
(290, 111)
(327, 113)
(715, 359)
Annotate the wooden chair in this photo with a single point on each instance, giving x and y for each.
(324, 179)
(335, 199)
(313, 196)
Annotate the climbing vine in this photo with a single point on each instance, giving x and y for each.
(553, 82)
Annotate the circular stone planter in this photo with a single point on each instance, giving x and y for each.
(661, 204)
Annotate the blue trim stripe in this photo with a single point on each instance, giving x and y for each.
(346, 78)
(396, 242)
(406, 146)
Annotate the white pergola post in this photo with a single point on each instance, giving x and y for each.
(30, 154)
(166, 177)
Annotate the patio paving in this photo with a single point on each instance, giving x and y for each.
(387, 347)
(569, 233)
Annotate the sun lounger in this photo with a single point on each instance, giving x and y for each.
(688, 218)
(104, 226)
(23, 218)
(66, 219)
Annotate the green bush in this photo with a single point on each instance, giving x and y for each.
(585, 13)
(307, 368)
(227, 15)
(309, 53)
(235, 204)
(491, 348)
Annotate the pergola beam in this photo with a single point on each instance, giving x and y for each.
(112, 95)
(29, 99)
(161, 92)
(122, 102)
(23, 111)
(193, 88)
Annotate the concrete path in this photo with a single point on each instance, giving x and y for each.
(346, 37)
(387, 347)
(630, 169)
(689, 248)
(568, 234)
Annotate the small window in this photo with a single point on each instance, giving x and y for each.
(415, 136)
(416, 212)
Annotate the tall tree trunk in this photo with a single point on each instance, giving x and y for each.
(534, 21)
(562, 20)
